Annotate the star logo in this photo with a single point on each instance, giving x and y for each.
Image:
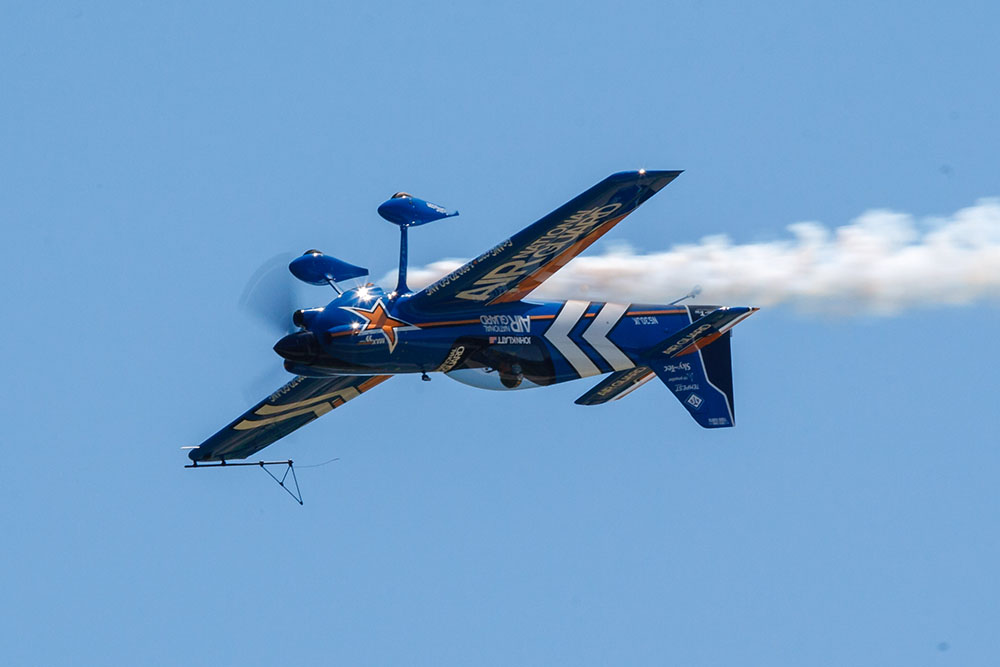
(377, 319)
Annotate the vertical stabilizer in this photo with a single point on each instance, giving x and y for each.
(696, 364)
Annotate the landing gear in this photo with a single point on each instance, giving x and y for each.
(512, 377)
(425, 377)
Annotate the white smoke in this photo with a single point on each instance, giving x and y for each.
(883, 262)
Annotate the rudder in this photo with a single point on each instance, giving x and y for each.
(703, 382)
(696, 364)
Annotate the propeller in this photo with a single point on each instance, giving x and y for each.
(271, 295)
(269, 298)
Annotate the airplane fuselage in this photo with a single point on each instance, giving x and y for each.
(366, 331)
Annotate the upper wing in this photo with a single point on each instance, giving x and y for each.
(510, 270)
(296, 404)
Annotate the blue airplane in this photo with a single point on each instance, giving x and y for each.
(477, 326)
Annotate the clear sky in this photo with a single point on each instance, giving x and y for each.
(153, 155)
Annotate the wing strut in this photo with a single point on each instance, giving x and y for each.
(297, 494)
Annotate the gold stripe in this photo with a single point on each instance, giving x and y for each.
(347, 393)
(371, 382)
(453, 323)
(633, 313)
(540, 274)
(317, 405)
(248, 424)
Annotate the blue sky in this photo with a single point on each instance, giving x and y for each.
(154, 156)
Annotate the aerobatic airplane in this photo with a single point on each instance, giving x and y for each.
(478, 326)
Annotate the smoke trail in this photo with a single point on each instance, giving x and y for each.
(883, 262)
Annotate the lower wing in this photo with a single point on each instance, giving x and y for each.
(294, 405)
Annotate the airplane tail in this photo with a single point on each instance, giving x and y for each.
(703, 382)
(696, 364)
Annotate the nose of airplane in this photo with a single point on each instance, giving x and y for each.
(301, 347)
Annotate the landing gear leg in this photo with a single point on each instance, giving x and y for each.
(425, 377)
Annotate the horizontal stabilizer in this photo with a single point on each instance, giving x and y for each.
(617, 385)
(702, 332)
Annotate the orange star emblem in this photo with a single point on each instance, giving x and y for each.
(378, 319)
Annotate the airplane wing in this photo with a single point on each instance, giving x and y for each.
(294, 405)
(513, 268)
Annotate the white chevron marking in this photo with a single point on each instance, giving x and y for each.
(558, 335)
(597, 335)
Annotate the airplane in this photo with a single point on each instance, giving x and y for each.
(477, 325)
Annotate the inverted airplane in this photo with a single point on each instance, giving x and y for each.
(478, 326)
